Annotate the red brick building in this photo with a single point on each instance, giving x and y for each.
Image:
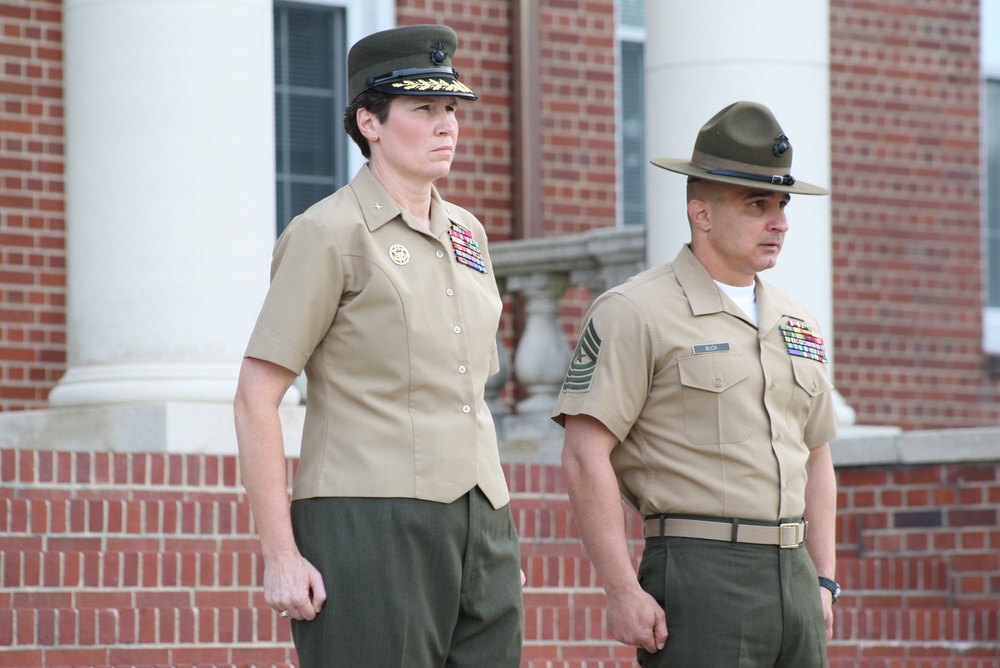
(907, 180)
(114, 559)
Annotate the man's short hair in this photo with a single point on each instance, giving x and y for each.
(703, 189)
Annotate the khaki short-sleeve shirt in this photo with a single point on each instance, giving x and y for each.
(716, 416)
(395, 327)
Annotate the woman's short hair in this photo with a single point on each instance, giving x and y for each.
(374, 101)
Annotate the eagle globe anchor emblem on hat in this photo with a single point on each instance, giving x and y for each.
(742, 145)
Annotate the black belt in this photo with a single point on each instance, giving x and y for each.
(783, 535)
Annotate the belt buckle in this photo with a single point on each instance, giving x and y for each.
(797, 531)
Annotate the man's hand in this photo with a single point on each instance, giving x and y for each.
(294, 585)
(827, 598)
(636, 619)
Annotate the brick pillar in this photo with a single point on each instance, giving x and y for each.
(170, 195)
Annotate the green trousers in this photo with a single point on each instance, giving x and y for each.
(734, 605)
(411, 583)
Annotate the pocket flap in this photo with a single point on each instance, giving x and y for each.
(712, 373)
(811, 376)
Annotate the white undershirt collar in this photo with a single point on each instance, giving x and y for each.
(743, 296)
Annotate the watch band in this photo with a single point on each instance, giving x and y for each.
(831, 585)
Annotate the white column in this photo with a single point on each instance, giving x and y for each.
(708, 54)
(170, 195)
(702, 56)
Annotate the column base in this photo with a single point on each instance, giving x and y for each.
(100, 384)
(175, 426)
(532, 438)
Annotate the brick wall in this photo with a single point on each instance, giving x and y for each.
(32, 220)
(579, 168)
(919, 559)
(907, 225)
(577, 73)
(132, 559)
(481, 173)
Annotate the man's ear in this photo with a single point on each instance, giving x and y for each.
(700, 214)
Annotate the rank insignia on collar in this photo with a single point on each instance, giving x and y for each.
(801, 342)
(466, 248)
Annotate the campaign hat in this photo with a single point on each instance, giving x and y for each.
(742, 145)
(410, 60)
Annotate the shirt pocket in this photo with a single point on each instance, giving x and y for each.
(811, 376)
(811, 382)
(715, 410)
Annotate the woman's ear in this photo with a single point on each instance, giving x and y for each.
(366, 123)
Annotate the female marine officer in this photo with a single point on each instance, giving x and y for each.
(399, 547)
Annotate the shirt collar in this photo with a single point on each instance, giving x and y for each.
(378, 207)
(702, 293)
(768, 315)
(706, 298)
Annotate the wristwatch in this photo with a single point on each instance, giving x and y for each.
(831, 585)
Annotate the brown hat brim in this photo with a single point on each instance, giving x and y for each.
(683, 166)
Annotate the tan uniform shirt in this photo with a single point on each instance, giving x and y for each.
(715, 416)
(395, 327)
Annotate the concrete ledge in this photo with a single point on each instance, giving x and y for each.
(886, 446)
(182, 427)
(532, 438)
(198, 427)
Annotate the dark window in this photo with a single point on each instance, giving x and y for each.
(309, 91)
(632, 13)
(992, 123)
(633, 131)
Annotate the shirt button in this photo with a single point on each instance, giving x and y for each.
(458, 330)
(461, 368)
(449, 292)
(466, 409)
(777, 437)
(440, 253)
(771, 387)
(718, 382)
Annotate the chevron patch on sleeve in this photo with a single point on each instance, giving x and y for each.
(581, 369)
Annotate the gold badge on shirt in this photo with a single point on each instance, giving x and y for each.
(399, 254)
